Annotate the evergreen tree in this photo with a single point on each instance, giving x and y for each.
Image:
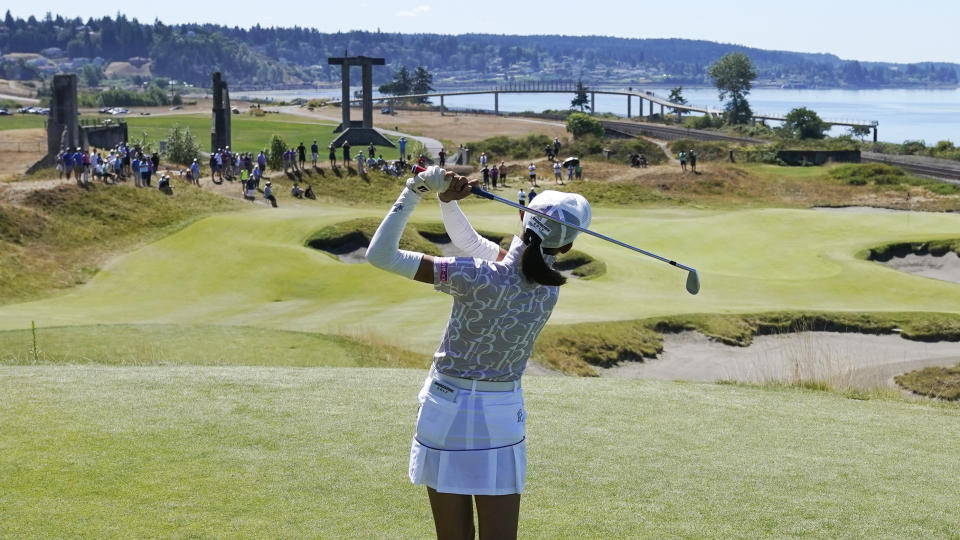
(422, 80)
(581, 99)
(733, 75)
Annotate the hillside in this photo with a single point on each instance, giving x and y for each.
(274, 56)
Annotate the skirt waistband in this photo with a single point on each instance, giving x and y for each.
(475, 385)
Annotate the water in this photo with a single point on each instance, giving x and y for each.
(929, 115)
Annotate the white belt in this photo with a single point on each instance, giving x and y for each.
(475, 385)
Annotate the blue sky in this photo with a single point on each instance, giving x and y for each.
(880, 30)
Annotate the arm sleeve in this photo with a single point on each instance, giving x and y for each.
(463, 234)
(384, 251)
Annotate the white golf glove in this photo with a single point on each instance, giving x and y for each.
(432, 179)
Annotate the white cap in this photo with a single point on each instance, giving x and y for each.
(571, 208)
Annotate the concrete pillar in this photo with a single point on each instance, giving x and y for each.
(367, 75)
(651, 107)
(593, 102)
(661, 110)
(628, 106)
(874, 133)
(442, 108)
(345, 96)
(496, 103)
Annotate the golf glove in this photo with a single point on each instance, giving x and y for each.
(433, 179)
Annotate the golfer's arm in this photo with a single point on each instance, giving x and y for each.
(465, 237)
(384, 250)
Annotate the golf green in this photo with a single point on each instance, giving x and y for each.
(252, 269)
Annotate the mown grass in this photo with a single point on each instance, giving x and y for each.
(293, 453)
(22, 121)
(248, 133)
(197, 345)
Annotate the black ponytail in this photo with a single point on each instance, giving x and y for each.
(533, 266)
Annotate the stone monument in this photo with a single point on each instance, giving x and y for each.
(63, 129)
(361, 133)
(220, 130)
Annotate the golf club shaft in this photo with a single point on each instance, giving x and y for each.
(487, 195)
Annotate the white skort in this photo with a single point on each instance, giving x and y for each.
(469, 442)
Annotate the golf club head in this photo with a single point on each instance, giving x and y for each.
(693, 282)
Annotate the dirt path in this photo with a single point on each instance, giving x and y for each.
(845, 360)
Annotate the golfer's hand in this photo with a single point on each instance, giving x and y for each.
(458, 188)
(432, 179)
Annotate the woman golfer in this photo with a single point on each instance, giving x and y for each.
(470, 435)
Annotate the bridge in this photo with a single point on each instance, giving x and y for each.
(555, 87)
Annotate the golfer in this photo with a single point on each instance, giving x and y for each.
(469, 446)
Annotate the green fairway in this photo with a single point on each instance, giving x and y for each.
(295, 453)
(22, 121)
(248, 133)
(252, 269)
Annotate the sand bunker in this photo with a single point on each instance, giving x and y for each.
(844, 360)
(945, 267)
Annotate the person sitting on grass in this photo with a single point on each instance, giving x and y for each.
(296, 191)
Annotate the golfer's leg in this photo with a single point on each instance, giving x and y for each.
(452, 515)
(498, 515)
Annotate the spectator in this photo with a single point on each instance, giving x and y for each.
(578, 171)
(486, 176)
(483, 159)
(570, 172)
(333, 157)
(494, 174)
(442, 155)
(522, 200)
(403, 146)
(692, 156)
(533, 174)
(195, 172)
(556, 146)
(503, 174)
(371, 150)
(557, 174)
(296, 191)
(346, 152)
(268, 194)
(683, 161)
(314, 153)
(262, 161)
(533, 193)
(302, 154)
(360, 160)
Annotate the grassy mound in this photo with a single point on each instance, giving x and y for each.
(61, 235)
(935, 382)
(861, 174)
(706, 150)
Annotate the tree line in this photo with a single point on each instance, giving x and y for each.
(264, 56)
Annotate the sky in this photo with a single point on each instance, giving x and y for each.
(875, 30)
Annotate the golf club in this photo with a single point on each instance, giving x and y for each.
(693, 280)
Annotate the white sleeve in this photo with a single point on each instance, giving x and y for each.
(464, 236)
(384, 251)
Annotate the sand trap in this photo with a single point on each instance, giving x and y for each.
(845, 360)
(945, 267)
(359, 254)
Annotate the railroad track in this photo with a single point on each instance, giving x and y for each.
(947, 170)
(669, 133)
(938, 169)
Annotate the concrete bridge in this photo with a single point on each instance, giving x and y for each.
(555, 87)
